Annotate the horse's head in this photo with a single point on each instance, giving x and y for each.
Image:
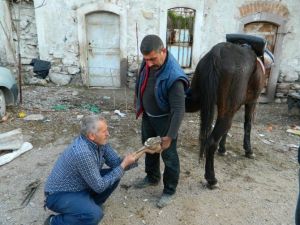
(268, 58)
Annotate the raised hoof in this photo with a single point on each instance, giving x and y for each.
(250, 155)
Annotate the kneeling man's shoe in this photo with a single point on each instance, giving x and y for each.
(48, 220)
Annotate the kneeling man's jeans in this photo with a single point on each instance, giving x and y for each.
(78, 208)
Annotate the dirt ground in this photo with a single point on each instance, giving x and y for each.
(251, 191)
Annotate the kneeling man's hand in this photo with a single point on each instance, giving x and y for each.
(128, 160)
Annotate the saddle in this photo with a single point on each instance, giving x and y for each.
(258, 44)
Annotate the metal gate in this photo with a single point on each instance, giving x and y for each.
(180, 30)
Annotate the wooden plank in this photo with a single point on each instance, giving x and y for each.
(11, 140)
(292, 131)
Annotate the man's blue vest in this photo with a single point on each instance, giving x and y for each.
(165, 77)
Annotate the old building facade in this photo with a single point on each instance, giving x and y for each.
(95, 43)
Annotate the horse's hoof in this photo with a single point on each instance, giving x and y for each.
(250, 155)
(210, 185)
(222, 153)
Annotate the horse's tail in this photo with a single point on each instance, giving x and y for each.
(208, 81)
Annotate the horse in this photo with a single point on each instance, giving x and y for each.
(228, 76)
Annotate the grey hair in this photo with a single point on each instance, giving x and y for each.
(89, 124)
(151, 43)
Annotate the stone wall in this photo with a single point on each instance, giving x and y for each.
(25, 28)
(288, 82)
(51, 33)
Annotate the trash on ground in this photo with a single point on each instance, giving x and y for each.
(292, 146)
(114, 117)
(74, 93)
(26, 146)
(266, 141)
(22, 114)
(92, 108)
(34, 117)
(269, 127)
(60, 107)
(79, 117)
(105, 97)
(30, 190)
(119, 113)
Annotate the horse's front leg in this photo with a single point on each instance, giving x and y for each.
(249, 112)
(192, 104)
(222, 126)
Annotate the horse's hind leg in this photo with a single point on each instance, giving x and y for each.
(249, 112)
(205, 130)
(222, 149)
(222, 126)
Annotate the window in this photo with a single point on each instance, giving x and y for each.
(180, 29)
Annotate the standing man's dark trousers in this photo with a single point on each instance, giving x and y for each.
(158, 126)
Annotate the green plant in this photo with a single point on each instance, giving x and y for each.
(179, 21)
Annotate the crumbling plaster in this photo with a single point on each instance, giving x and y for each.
(26, 28)
(57, 32)
(61, 33)
(7, 46)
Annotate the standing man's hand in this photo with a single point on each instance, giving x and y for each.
(165, 142)
(128, 160)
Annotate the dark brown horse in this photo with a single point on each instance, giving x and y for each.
(228, 76)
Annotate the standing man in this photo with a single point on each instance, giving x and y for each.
(78, 185)
(160, 98)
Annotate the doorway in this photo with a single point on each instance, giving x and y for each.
(103, 43)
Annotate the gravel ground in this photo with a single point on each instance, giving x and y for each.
(251, 191)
